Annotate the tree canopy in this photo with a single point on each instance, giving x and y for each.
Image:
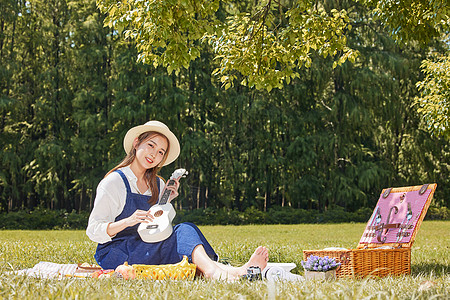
(260, 45)
(413, 20)
(264, 45)
(434, 101)
(265, 42)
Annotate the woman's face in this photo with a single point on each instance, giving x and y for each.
(151, 151)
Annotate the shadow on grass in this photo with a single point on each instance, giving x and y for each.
(435, 269)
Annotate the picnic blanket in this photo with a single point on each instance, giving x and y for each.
(46, 269)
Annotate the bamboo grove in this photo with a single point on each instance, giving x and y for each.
(70, 88)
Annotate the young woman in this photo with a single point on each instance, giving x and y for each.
(122, 202)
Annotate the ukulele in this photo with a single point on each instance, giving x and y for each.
(163, 212)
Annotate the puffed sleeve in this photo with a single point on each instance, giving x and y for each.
(109, 203)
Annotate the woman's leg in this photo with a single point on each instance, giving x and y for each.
(215, 270)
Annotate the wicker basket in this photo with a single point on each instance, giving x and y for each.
(385, 247)
(342, 256)
(365, 262)
(180, 271)
(381, 262)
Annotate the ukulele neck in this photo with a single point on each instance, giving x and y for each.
(165, 196)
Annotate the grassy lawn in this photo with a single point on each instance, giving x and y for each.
(430, 263)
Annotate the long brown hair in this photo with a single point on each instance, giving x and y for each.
(150, 174)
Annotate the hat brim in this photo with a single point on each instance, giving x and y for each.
(133, 133)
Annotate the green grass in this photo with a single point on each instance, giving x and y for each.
(430, 263)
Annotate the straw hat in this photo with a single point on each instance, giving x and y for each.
(155, 126)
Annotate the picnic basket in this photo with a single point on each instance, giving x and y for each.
(181, 270)
(385, 246)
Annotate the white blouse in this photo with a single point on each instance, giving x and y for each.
(110, 201)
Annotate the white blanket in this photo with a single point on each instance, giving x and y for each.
(46, 269)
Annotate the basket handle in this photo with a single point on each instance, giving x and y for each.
(387, 226)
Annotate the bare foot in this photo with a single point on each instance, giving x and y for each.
(259, 259)
(218, 271)
(221, 274)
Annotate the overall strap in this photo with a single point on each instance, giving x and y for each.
(125, 180)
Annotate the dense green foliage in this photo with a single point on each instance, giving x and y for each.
(262, 44)
(45, 219)
(434, 101)
(264, 41)
(333, 136)
(419, 20)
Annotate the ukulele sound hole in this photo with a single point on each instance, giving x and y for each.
(158, 213)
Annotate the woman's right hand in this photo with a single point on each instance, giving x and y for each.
(139, 216)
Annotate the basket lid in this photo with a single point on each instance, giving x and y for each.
(397, 216)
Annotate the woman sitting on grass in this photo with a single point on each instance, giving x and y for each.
(124, 198)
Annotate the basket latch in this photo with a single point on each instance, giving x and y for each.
(386, 193)
(423, 189)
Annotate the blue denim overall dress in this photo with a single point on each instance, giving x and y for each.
(127, 245)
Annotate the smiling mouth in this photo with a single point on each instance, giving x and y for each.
(149, 160)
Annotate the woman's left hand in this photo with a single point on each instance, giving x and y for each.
(174, 189)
